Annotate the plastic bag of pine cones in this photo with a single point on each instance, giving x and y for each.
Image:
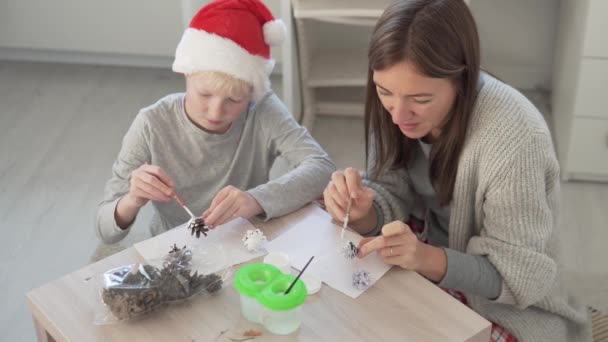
(133, 291)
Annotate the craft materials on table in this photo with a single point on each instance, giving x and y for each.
(227, 236)
(316, 234)
(349, 250)
(265, 300)
(299, 275)
(254, 240)
(134, 290)
(196, 224)
(279, 260)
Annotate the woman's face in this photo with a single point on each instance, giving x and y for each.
(418, 104)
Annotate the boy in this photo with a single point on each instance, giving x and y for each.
(214, 145)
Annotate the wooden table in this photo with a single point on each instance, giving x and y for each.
(402, 306)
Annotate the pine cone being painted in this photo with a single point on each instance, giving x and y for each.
(198, 227)
(349, 250)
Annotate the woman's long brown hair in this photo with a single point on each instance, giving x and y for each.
(440, 39)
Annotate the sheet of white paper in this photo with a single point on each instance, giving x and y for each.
(316, 234)
(226, 238)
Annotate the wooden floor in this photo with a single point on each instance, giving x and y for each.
(60, 129)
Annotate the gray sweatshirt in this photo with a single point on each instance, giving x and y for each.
(202, 163)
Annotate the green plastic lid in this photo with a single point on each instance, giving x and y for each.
(251, 279)
(273, 297)
(267, 285)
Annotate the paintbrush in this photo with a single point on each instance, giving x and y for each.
(184, 206)
(346, 218)
(298, 277)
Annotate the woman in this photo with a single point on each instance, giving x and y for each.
(454, 147)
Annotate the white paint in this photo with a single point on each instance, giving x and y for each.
(280, 260)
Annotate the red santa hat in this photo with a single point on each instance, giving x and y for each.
(233, 37)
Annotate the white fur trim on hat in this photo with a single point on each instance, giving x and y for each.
(202, 51)
(274, 32)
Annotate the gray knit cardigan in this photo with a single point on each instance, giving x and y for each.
(505, 207)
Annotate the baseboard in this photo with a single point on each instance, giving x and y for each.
(78, 57)
(583, 177)
(94, 58)
(522, 77)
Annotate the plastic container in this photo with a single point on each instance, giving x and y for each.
(280, 260)
(263, 300)
(312, 282)
(249, 281)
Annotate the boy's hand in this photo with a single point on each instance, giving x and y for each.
(229, 203)
(345, 185)
(149, 182)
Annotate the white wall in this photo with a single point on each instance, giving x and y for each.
(129, 32)
(517, 36)
(149, 28)
(518, 39)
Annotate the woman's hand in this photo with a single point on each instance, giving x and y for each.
(229, 203)
(149, 182)
(399, 246)
(344, 186)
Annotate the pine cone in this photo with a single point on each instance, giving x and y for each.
(212, 283)
(198, 226)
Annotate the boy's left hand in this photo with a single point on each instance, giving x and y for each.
(229, 203)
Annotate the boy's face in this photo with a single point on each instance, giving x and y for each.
(212, 110)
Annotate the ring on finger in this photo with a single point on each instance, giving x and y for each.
(391, 251)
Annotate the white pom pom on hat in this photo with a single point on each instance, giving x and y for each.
(275, 32)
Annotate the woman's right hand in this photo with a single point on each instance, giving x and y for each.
(149, 182)
(344, 185)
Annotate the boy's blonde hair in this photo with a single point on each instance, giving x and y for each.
(224, 83)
